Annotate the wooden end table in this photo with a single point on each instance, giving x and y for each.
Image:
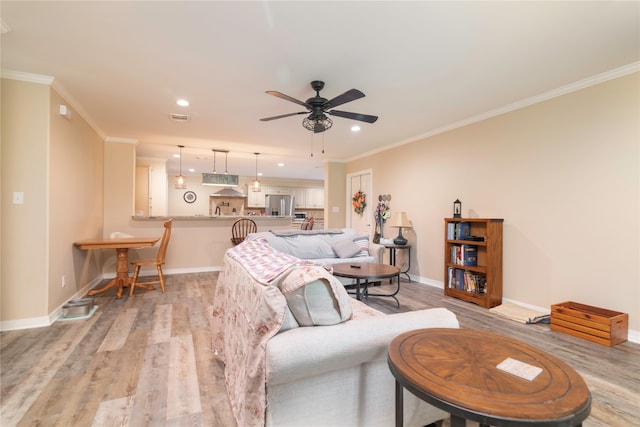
(455, 370)
(368, 271)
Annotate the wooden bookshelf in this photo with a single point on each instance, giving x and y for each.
(480, 283)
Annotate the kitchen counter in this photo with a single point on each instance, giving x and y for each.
(256, 218)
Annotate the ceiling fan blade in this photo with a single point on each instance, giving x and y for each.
(266, 119)
(288, 98)
(354, 116)
(348, 96)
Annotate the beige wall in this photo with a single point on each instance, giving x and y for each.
(564, 175)
(335, 190)
(76, 195)
(25, 168)
(57, 163)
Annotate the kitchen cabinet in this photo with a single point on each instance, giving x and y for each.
(255, 199)
(314, 198)
(300, 197)
(277, 190)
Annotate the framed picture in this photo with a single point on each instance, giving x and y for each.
(189, 197)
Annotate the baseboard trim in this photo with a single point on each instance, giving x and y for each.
(632, 335)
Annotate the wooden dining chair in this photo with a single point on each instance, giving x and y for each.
(158, 261)
(307, 224)
(241, 228)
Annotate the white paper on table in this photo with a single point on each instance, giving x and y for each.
(519, 369)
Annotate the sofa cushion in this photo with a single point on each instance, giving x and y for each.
(299, 245)
(346, 248)
(315, 297)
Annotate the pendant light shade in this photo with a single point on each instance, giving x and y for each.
(256, 184)
(181, 182)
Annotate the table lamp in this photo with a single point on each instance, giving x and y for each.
(401, 221)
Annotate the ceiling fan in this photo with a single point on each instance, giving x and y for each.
(318, 107)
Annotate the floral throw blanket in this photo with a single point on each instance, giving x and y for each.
(247, 311)
(261, 261)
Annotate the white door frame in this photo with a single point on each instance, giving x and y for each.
(350, 192)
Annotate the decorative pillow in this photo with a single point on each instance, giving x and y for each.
(346, 249)
(315, 297)
(363, 244)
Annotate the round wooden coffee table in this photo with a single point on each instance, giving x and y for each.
(368, 272)
(456, 370)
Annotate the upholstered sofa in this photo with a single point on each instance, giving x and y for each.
(298, 351)
(331, 246)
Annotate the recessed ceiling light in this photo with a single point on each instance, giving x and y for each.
(177, 156)
(192, 170)
(281, 164)
(259, 173)
(182, 102)
(355, 128)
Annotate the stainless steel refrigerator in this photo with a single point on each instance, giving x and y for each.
(279, 205)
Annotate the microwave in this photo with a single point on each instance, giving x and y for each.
(299, 216)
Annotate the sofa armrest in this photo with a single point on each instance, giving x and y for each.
(309, 351)
(376, 250)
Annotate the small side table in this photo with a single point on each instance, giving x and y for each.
(392, 256)
(367, 272)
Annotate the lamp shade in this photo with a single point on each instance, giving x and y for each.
(400, 219)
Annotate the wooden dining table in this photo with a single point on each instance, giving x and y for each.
(122, 247)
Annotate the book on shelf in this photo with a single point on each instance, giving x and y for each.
(458, 230)
(469, 255)
(455, 279)
(466, 255)
(475, 283)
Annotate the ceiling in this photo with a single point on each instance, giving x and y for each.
(424, 66)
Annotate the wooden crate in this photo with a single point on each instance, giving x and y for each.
(591, 323)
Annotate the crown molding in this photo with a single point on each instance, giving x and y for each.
(121, 140)
(26, 77)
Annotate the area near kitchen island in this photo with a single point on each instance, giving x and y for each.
(198, 243)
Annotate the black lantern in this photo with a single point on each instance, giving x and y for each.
(457, 209)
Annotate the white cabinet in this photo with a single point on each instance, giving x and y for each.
(300, 197)
(277, 190)
(255, 199)
(314, 198)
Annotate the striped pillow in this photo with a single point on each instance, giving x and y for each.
(363, 244)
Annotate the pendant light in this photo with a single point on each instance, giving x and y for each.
(226, 172)
(256, 183)
(214, 160)
(181, 182)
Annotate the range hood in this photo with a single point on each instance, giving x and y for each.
(228, 192)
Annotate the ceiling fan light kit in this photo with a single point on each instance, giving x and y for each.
(317, 125)
(319, 107)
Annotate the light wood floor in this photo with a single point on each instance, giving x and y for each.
(147, 360)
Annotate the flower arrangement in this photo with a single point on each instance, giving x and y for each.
(359, 202)
(381, 215)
